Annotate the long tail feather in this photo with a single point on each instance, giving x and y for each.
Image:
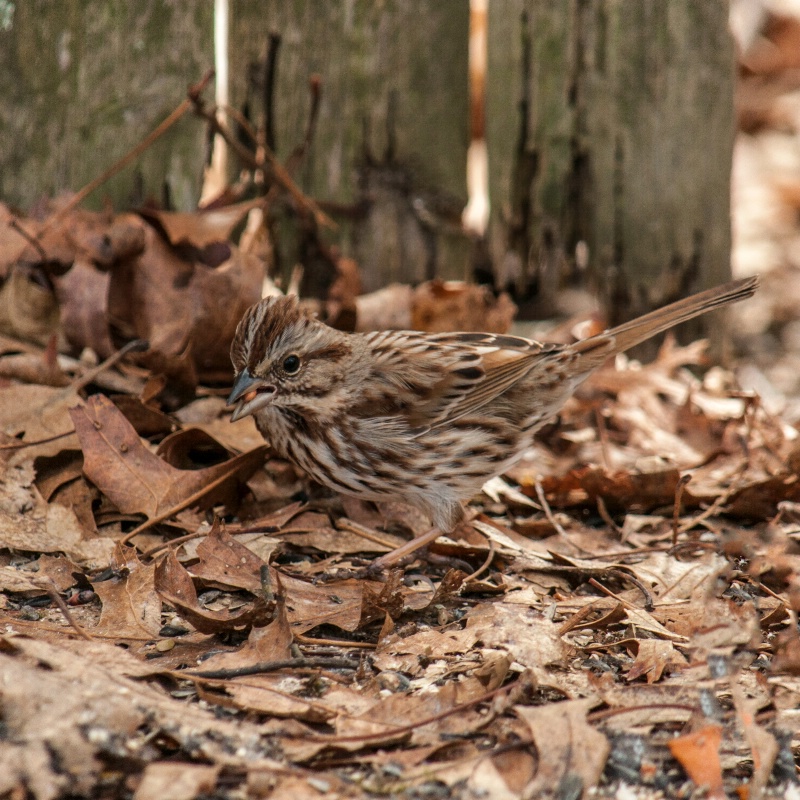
(596, 349)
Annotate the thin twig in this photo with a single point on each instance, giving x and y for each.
(278, 170)
(602, 435)
(173, 543)
(597, 716)
(487, 561)
(22, 445)
(299, 153)
(136, 346)
(365, 533)
(398, 554)
(602, 510)
(241, 120)
(676, 511)
(711, 510)
(576, 619)
(268, 97)
(624, 575)
(14, 224)
(273, 666)
(50, 588)
(267, 592)
(178, 507)
(647, 596)
(314, 642)
(182, 108)
(548, 512)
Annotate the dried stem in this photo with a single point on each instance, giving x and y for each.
(185, 105)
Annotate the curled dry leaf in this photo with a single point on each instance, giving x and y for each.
(186, 310)
(175, 586)
(223, 561)
(82, 292)
(653, 657)
(456, 306)
(198, 229)
(270, 643)
(28, 306)
(136, 480)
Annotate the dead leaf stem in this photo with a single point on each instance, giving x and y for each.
(183, 107)
(676, 511)
(279, 172)
(189, 501)
(51, 590)
(273, 666)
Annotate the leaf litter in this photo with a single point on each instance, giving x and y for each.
(185, 615)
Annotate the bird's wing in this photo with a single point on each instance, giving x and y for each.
(499, 362)
(431, 380)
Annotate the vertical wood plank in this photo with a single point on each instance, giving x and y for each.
(82, 82)
(393, 120)
(610, 122)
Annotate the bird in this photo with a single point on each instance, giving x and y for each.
(423, 418)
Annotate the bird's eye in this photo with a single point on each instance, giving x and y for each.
(291, 364)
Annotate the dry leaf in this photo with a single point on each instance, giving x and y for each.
(131, 605)
(571, 753)
(176, 781)
(138, 481)
(698, 754)
(175, 586)
(653, 656)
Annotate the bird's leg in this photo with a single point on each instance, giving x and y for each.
(399, 553)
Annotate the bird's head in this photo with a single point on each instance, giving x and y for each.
(283, 356)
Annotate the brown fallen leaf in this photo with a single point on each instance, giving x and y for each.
(51, 572)
(131, 605)
(28, 306)
(174, 584)
(82, 294)
(28, 524)
(698, 754)
(32, 413)
(225, 562)
(186, 309)
(653, 657)
(198, 229)
(178, 781)
(572, 753)
(138, 481)
(270, 643)
(146, 419)
(58, 570)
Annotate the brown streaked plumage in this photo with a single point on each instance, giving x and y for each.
(422, 418)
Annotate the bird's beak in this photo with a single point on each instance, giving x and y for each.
(249, 394)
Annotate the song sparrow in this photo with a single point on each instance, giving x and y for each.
(422, 418)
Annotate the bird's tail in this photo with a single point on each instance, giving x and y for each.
(596, 349)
